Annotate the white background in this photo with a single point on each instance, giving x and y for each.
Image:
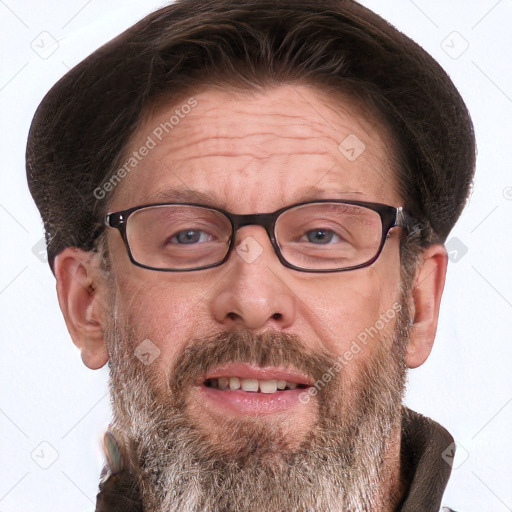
(47, 395)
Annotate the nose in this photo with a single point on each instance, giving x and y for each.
(255, 292)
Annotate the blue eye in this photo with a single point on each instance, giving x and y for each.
(190, 236)
(321, 236)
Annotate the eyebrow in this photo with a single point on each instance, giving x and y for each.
(185, 195)
(188, 195)
(311, 193)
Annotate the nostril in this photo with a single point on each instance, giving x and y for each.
(277, 316)
(232, 316)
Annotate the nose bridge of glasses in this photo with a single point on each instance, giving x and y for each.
(265, 220)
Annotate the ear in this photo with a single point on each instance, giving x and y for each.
(78, 289)
(426, 301)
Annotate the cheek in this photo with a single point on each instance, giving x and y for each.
(165, 313)
(353, 312)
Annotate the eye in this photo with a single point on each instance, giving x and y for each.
(190, 236)
(321, 236)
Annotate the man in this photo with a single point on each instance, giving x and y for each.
(245, 206)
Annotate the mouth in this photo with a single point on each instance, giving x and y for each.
(252, 385)
(238, 388)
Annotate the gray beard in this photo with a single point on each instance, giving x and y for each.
(340, 465)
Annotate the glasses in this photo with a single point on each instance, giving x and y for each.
(318, 236)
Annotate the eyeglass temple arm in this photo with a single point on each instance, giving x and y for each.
(403, 219)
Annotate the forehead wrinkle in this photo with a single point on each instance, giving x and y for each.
(273, 111)
(254, 156)
(316, 131)
(241, 99)
(339, 105)
(299, 145)
(233, 129)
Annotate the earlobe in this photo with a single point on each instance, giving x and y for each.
(426, 301)
(80, 303)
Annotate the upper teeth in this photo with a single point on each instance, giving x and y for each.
(254, 385)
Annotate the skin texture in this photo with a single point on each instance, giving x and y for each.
(250, 153)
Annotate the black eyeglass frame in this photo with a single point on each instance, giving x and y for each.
(390, 216)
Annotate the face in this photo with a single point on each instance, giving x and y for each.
(253, 318)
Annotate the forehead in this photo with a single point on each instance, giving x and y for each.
(258, 151)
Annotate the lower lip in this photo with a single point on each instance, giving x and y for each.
(252, 403)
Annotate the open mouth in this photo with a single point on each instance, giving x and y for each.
(249, 390)
(252, 385)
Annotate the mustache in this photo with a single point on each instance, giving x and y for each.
(269, 348)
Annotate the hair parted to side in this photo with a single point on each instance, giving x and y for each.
(84, 123)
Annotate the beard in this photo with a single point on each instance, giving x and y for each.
(186, 463)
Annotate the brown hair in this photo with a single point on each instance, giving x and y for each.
(83, 124)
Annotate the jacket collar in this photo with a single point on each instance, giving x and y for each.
(424, 462)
